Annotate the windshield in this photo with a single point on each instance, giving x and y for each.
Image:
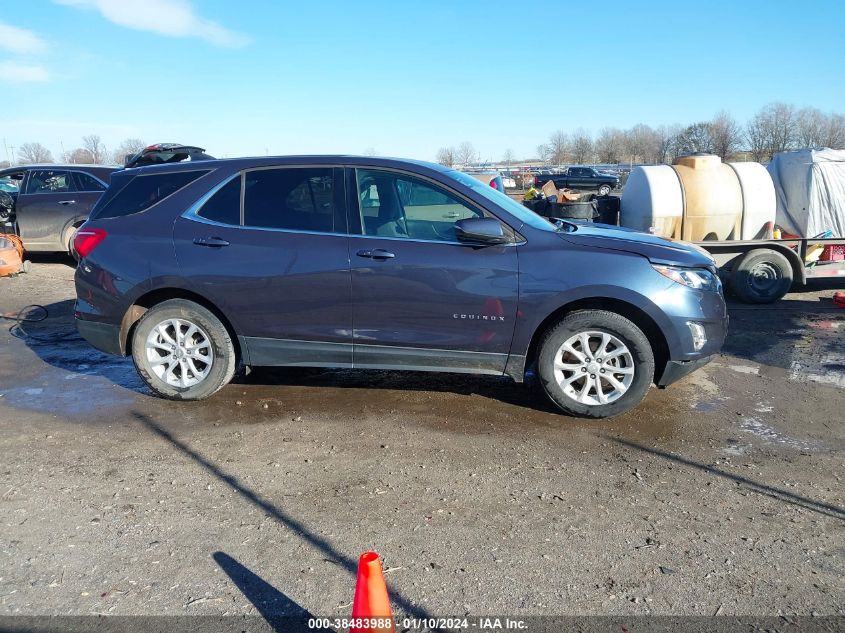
(503, 200)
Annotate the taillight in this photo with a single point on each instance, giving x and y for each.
(86, 240)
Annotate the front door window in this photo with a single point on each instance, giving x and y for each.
(394, 205)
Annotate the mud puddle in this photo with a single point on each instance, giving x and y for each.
(73, 380)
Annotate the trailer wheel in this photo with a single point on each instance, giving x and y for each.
(761, 276)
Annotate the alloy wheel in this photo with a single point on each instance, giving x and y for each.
(179, 353)
(594, 368)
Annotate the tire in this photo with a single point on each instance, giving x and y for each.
(564, 386)
(604, 190)
(761, 276)
(213, 357)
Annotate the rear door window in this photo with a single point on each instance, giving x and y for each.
(142, 192)
(225, 205)
(301, 198)
(49, 181)
(86, 182)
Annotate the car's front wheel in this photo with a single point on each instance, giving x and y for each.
(182, 350)
(604, 190)
(595, 364)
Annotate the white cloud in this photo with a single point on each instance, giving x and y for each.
(20, 41)
(21, 72)
(173, 18)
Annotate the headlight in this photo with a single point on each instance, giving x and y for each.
(698, 278)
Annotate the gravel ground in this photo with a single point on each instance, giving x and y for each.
(722, 494)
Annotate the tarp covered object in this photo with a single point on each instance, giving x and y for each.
(810, 191)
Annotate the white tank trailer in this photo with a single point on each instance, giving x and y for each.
(700, 198)
(729, 210)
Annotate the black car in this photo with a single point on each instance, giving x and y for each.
(197, 270)
(49, 202)
(582, 178)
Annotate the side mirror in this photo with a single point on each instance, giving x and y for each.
(480, 231)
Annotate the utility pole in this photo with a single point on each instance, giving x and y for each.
(6, 147)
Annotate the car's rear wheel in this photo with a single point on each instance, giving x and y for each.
(182, 350)
(595, 364)
(604, 190)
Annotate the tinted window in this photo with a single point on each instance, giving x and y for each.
(49, 181)
(142, 192)
(398, 206)
(225, 205)
(86, 182)
(301, 199)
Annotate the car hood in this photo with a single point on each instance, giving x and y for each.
(658, 250)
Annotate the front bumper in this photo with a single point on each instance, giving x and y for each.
(104, 336)
(677, 369)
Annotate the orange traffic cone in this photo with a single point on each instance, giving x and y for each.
(371, 601)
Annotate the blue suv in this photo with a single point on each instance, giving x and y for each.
(199, 270)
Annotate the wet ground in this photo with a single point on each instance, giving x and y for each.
(722, 494)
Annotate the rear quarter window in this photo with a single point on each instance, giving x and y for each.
(142, 192)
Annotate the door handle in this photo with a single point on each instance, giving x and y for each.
(452, 214)
(66, 202)
(213, 242)
(378, 253)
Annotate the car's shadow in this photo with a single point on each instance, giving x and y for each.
(55, 341)
(51, 258)
(764, 334)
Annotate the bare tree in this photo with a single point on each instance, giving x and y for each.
(694, 138)
(129, 147)
(446, 156)
(641, 144)
(78, 156)
(725, 135)
(582, 146)
(810, 127)
(609, 145)
(756, 137)
(94, 144)
(30, 153)
(835, 134)
(466, 154)
(544, 153)
(558, 147)
(773, 129)
(666, 136)
(782, 128)
(508, 157)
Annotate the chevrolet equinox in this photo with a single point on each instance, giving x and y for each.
(199, 270)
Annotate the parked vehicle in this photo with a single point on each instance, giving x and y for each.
(51, 201)
(763, 271)
(583, 178)
(492, 178)
(198, 270)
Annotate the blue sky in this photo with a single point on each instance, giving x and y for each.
(399, 77)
